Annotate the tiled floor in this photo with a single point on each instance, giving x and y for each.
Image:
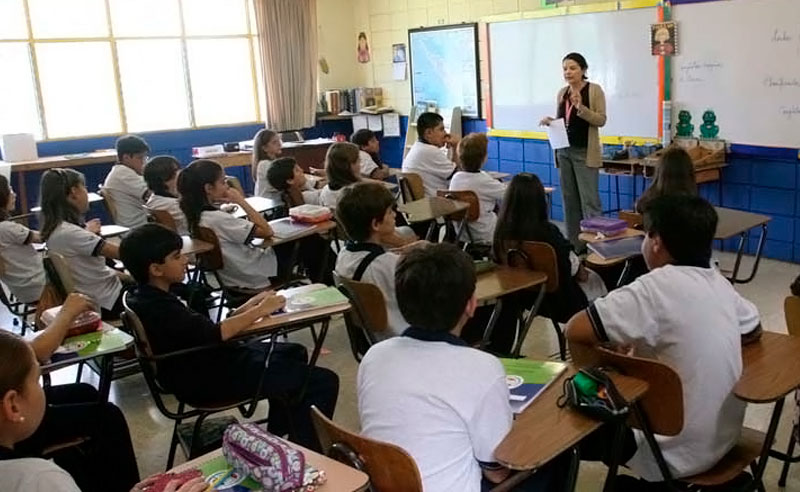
(151, 431)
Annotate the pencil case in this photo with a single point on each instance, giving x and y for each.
(310, 213)
(86, 322)
(264, 457)
(607, 226)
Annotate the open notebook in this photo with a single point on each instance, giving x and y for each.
(527, 379)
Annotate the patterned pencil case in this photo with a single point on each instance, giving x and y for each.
(264, 457)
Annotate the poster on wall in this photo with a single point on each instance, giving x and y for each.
(664, 39)
(362, 48)
(399, 61)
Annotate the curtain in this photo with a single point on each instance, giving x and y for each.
(288, 40)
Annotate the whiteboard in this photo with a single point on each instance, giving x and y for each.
(525, 67)
(741, 58)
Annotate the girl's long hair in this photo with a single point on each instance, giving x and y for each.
(674, 176)
(523, 214)
(5, 196)
(192, 183)
(54, 188)
(262, 138)
(339, 165)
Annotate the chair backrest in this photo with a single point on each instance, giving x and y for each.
(210, 260)
(474, 210)
(634, 219)
(61, 276)
(411, 186)
(791, 309)
(535, 255)
(368, 315)
(164, 218)
(390, 468)
(663, 402)
(111, 205)
(234, 182)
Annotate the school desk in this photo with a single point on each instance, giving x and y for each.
(112, 230)
(101, 345)
(260, 204)
(318, 228)
(501, 281)
(431, 208)
(308, 154)
(193, 246)
(733, 223)
(44, 163)
(543, 430)
(770, 371)
(595, 259)
(340, 477)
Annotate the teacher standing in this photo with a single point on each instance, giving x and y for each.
(582, 105)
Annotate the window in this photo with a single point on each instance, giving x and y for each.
(92, 67)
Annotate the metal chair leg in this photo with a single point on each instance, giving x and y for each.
(562, 340)
(788, 462)
(173, 445)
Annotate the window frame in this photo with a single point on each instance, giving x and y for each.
(251, 36)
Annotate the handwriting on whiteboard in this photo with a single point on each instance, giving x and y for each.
(698, 71)
(790, 112)
(780, 83)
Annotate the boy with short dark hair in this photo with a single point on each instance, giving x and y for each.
(368, 154)
(686, 314)
(454, 399)
(124, 183)
(428, 157)
(286, 176)
(152, 253)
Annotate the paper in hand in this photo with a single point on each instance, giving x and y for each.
(557, 134)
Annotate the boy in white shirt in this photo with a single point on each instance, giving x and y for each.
(428, 157)
(125, 184)
(368, 157)
(686, 314)
(472, 153)
(426, 391)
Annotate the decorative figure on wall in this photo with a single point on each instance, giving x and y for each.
(685, 128)
(709, 128)
(363, 48)
(663, 39)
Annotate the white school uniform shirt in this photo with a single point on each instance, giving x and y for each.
(692, 319)
(432, 164)
(81, 250)
(328, 197)
(263, 187)
(490, 193)
(35, 475)
(366, 163)
(244, 265)
(446, 405)
(380, 273)
(24, 272)
(171, 205)
(129, 192)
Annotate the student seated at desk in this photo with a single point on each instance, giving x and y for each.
(443, 402)
(23, 272)
(369, 158)
(33, 420)
(472, 154)
(124, 183)
(152, 253)
(674, 176)
(342, 168)
(428, 156)
(161, 176)
(686, 314)
(288, 178)
(267, 147)
(201, 186)
(64, 202)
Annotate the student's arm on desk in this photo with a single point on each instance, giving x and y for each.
(749, 321)
(48, 340)
(381, 173)
(259, 306)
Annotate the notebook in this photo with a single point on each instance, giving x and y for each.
(314, 296)
(286, 228)
(617, 248)
(527, 379)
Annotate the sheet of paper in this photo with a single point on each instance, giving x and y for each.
(557, 134)
(375, 122)
(359, 122)
(391, 125)
(399, 71)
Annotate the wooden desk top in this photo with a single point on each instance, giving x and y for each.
(195, 246)
(341, 478)
(260, 204)
(771, 368)
(290, 319)
(590, 237)
(318, 228)
(543, 431)
(506, 280)
(72, 160)
(112, 230)
(431, 208)
(734, 222)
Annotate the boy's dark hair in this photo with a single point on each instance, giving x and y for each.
(145, 245)
(472, 151)
(280, 171)
(427, 121)
(359, 205)
(686, 226)
(130, 145)
(158, 171)
(362, 137)
(434, 285)
(795, 287)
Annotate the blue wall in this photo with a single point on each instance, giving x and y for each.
(762, 180)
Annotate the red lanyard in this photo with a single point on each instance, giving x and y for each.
(567, 109)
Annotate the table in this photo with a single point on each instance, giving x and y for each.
(308, 154)
(544, 431)
(112, 230)
(595, 259)
(770, 371)
(431, 208)
(341, 478)
(260, 204)
(738, 223)
(504, 280)
(318, 228)
(44, 163)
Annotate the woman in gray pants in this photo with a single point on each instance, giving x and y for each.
(582, 104)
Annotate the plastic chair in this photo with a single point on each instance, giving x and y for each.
(634, 219)
(164, 218)
(791, 310)
(367, 317)
(411, 187)
(471, 214)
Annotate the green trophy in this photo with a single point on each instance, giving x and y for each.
(684, 127)
(709, 128)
